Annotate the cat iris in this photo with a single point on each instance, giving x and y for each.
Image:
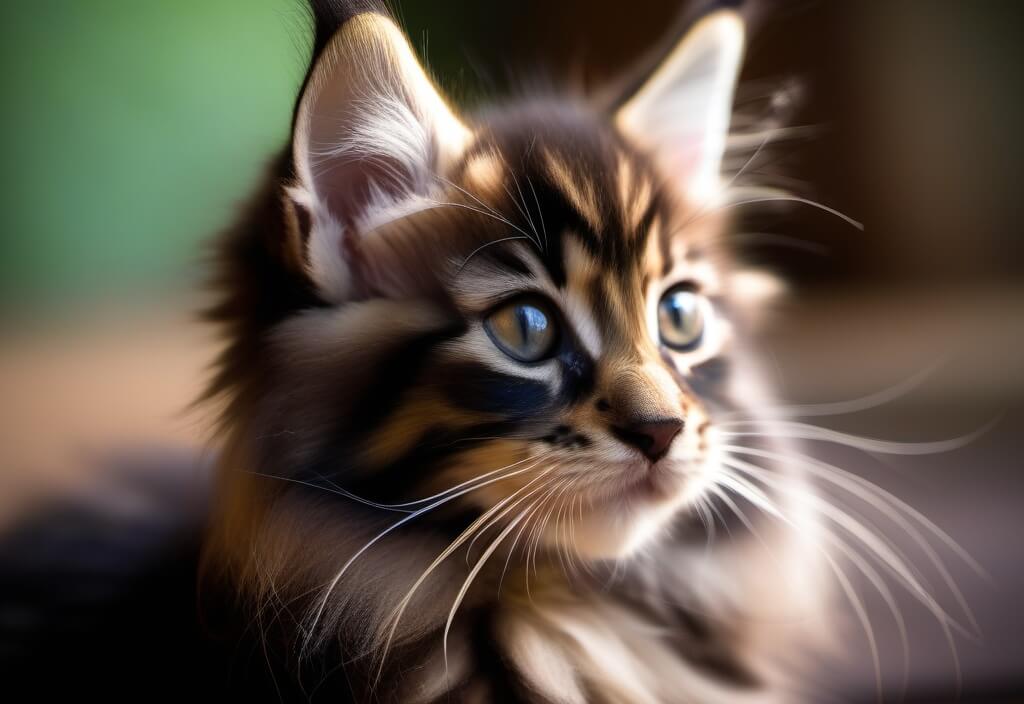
(524, 329)
(681, 318)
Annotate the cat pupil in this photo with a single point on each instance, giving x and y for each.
(532, 325)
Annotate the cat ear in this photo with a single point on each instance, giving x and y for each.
(371, 134)
(681, 113)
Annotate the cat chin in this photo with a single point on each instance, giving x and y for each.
(618, 525)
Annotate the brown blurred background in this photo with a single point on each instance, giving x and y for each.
(131, 130)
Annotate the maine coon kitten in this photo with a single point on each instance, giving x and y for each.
(475, 371)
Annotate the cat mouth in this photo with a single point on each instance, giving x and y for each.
(648, 483)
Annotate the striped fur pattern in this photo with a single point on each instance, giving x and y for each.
(443, 521)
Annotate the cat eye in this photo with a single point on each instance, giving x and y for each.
(681, 318)
(523, 329)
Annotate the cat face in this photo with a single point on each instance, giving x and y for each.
(577, 332)
(517, 317)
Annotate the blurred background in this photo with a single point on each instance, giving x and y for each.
(131, 132)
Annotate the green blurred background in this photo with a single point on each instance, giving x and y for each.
(130, 130)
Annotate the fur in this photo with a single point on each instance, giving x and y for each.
(435, 518)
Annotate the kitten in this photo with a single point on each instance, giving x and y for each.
(475, 375)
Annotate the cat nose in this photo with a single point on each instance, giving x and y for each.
(652, 437)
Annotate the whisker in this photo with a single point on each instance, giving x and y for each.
(394, 526)
(539, 533)
(862, 615)
(862, 403)
(886, 556)
(785, 198)
(709, 502)
(486, 214)
(399, 610)
(532, 510)
(329, 489)
(559, 542)
(869, 492)
(490, 208)
(482, 247)
(877, 549)
(470, 481)
(533, 541)
(540, 213)
(805, 431)
(739, 513)
(524, 208)
(852, 597)
(883, 590)
(469, 581)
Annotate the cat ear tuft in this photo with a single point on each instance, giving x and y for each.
(681, 113)
(371, 135)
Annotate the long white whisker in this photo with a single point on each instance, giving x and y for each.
(494, 520)
(862, 616)
(469, 581)
(489, 244)
(394, 526)
(862, 403)
(559, 542)
(533, 540)
(515, 541)
(399, 610)
(469, 481)
(486, 214)
(870, 493)
(750, 493)
(716, 492)
(540, 213)
(329, 489)
(524, 208)
(851, 594)
(489, 208)
(785, 198)
(539, 532)
(805, 431)
(737, 511)
(878, 550)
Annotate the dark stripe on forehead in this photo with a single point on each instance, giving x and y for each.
(563, 167)
(558, 218)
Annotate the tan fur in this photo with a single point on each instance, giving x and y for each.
(576, 186)
(402, 429)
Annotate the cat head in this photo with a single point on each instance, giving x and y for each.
(523, 311)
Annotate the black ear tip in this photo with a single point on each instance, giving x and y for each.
(329, 15)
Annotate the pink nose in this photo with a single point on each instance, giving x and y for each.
(653, 437)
